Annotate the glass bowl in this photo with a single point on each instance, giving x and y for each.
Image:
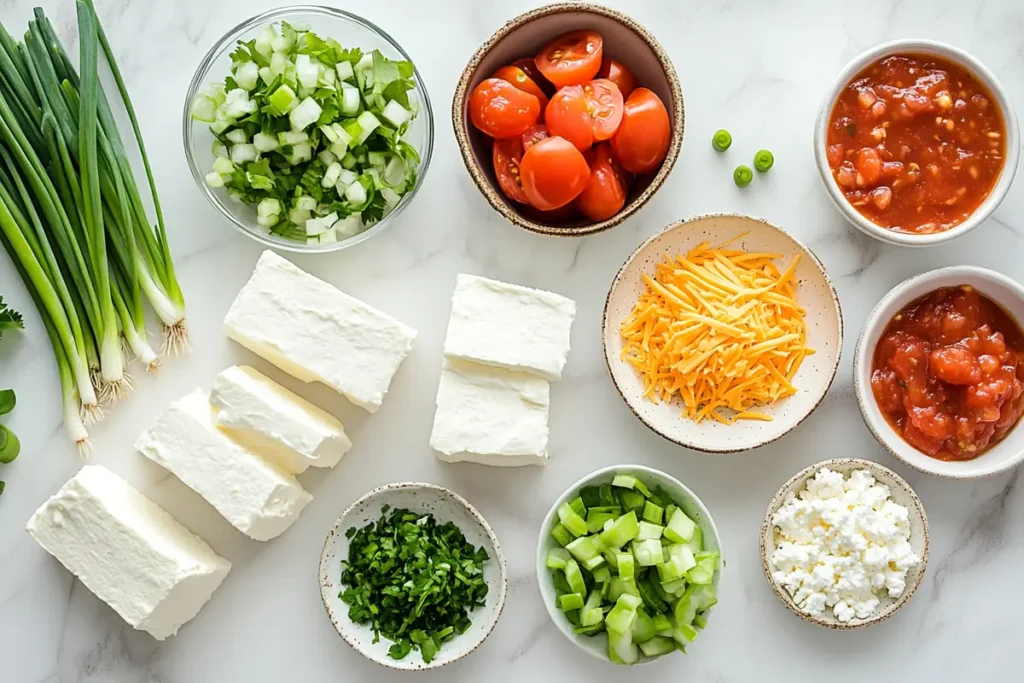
(350, 31)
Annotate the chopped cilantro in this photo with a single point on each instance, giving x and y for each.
(9, 319)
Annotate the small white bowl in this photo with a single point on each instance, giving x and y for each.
(1006, 292)
(979, 71)
(900, 493)
(446, 506)
(686, 499)
(815, 293)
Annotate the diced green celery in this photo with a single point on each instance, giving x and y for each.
(367, 124)
(243, 154)
(615, 588)
(589, 631)
(378, 160)
(675, 587)
(610, 556)
(622, 531)
(622, 615)
(584, 549)
(268, 207)
(712, 555)
(204, 109)
(593, 563)
(345, 72)
(621, 648)
(602, 574)
(570, 601)
(573, 617)
(265, 40)
(265, 143)
(574, 577)
(669, 571)
(283, 99)
(703, 573)
(557, 558)
(662, 622)
(606, 588)
(247, 75)
(223, 165)
(696, 544)
(596, 519)
(214, 179)
(625, 565)
(305, 114)
(237, 136)
(680, 528)
(684, 634)
(591, 612)
(632, 500)
(629, 587)
(643, 627)
(695, 599)
(655, 584)
(561, 535)
(657, 646)
(571, 520)
(349, 161)
(700, 621)
(396, 114)
(576, 503)
(650, 597)
(648, 553)
(680, 561)
(628, 481)
(669, 509)
(649, 531)
(591, 496)
(607, 495)
(560, 583)
(653, 513)
(305, 203)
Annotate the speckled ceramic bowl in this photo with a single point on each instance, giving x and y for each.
(1006, 292)
(684, 497)
(446, 506)
(899, 492)
(815, 293)
(624, 40)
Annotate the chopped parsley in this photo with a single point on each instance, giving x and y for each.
(413, 580)
(9, 319)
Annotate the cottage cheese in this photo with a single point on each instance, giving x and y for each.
(128, 551)
(842, 544)
(509, 326)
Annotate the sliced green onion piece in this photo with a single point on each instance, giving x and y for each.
(763, 160)
(721, 140)
(742, 176)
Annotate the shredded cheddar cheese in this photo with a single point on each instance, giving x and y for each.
(719, 329)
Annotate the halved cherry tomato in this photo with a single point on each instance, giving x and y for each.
(572, 58)
(530, 68)
(502, 110)
(567, 116)
(641, 142)
(553, 173)
(606, 194)
(520, 79)
(507, 156)
(619, 75)
(604, 104)
(535, 134)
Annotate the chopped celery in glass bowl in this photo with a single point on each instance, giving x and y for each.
(308, 128)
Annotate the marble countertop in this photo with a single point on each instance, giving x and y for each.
(756, 68)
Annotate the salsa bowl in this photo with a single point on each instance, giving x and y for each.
(1004, 291)
(624, 40)
(935, 160)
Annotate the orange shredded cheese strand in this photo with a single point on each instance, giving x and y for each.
(720, 330)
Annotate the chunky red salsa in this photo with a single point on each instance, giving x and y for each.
(948, 373)
(916, 143)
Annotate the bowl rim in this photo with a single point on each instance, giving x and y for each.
(200, 77)
(461, 125)
(767, 532)
(675, 226)
(542, 540)
(498, 556)
(962, 59)
(895, 299)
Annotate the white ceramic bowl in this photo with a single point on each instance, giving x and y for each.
(686, 499)
(1006, 292)
(815, 293)
(900, 493)
(446, 506)
(979, 71)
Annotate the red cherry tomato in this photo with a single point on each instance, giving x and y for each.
(530, 68)
(507, 156)
(535, 134)
(572, 58)
(521, 80)
(554, 173)
(502, 110)
(641, 142)
(567, 116)
(604, 104)
(619, 75)
(606, 194)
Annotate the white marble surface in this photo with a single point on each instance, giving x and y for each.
(756, 68)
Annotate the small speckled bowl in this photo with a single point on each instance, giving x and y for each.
(1005, 291)
(446, 506)
(815, 293)
(624, 40)
(899, 492)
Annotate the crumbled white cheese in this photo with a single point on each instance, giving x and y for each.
(841, 544)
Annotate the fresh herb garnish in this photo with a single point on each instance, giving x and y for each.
(9, 319)
(414, 580)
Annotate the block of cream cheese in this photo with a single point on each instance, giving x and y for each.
(266, 418)
(509, 326)
(316, 333)
(490, 416)
(134, 556)
(259, 498)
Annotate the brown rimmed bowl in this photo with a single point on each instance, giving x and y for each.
(624, 40)
(899, 492)
(446, 506)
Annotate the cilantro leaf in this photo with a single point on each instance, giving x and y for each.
(374, 211)
(10, 319)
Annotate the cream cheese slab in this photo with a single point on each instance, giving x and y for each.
(266, 418)
(127, 550)
(509, 326)
(259, 498)
(490, 416)
(316, 333)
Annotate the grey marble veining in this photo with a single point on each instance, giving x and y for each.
(758, 68)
